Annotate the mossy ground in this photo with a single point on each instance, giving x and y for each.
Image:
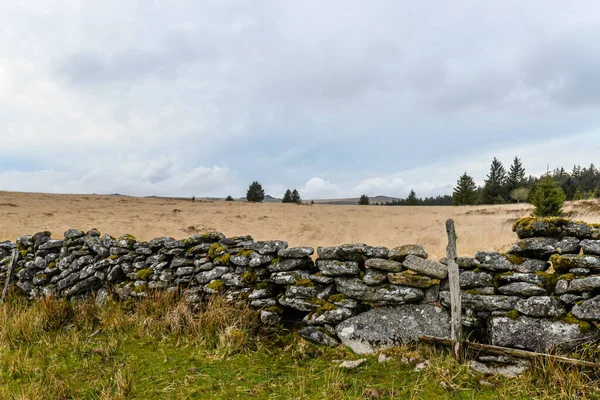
(157, 348)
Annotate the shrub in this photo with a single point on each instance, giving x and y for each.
(548, 199)
(364, 200)
(229, 198)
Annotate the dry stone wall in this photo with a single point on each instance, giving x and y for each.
(543, 293)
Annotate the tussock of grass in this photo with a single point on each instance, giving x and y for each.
(158, 347)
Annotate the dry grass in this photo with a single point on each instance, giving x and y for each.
(478, 227)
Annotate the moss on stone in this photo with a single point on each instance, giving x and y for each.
(336, 298)
(24, 253)
(276, 309)
(515, 259)
(249, 277)
(584, 326)
(275, 260)
(140, 288)
(305, 282)
(512, 314)
(143, 274)
(244, 253)
(113, 257)
(52, 265)
(215, 285)
(215, 251)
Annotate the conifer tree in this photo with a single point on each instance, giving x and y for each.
(548, 199)
(516, 175)
(287, 197)
(364, 200)
(296, 197)
(465, 192)
(255, 192)
(412, 200)
(494, 187)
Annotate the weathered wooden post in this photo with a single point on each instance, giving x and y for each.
(455, 304)
(9, 274)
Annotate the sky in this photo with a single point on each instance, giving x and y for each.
(334, 98)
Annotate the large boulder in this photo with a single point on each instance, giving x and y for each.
(588, 310)
(538, 334)
(541, 306)
(388, 326)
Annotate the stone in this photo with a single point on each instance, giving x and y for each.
(231, 279)
(333, 317)
(300, 304)
(591, 247)
(73, 234)
(401, 252)
(259, 303)
(303, 291)
(542, 248)
(462, 262)
(256, 259)
(536, 334)
(357, 289)
(385, 327)
(488, 290)
(511, 277)
(482, 302)
(290, 264)
(345, 252)
(269, 317)
(588, 310)
(570, 298)
(288, 277)
(471, 279)
(507, 371)
(530, 227)
(296, 252)
(268, 247)
(242, 261)
(338, 268)
(522, 289)
(352, 364)
(541, 306)
(182, 271)
(426, 267)
(319, 278)
(317, 335)
(262, 293)
(384, 265)
(52, 244)
(500, 262)
(374, 277)
(564, 263)
(407, 278)
(376, 252)
(215, 273)
(587, 284)
(210, 237)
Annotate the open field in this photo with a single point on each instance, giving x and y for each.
(478, 227)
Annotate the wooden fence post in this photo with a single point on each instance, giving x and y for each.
(9, 274)
(455, 304)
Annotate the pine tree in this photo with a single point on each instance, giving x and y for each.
(494, 188)
(364, 200)
(412, 200)
(465, 191)
(229, 198)
(287, 197)
(516, 175)
(255, 192)
(548, 199)
(296, 197)
(577, 195)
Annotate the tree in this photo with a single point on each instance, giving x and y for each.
(465, 192)
(578, 195)
(494, 186)
(255, 192)
(548, 199)
(229, 198)
(519, 194)
(312, 202)
(296, 197)
(412, 200)
(516, 175)
(364, 200)
(287, 197)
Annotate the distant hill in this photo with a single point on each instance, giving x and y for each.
(342, 201)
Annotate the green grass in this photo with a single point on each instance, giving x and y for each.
(158, 348)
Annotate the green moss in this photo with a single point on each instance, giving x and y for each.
(277, 309)
(324, 308)
(52, 265)
(24, 253)
(140, 288)
(113, 257)
(361, 274)
(249, 277)
(584, 326)
(215, 285)
(515, 259)
(262, 285)
(215, 251)
(512, 314)
(554, 225)
(336, 298)
(143, 274)
(244, 253)
(275, 260)
(305, 282)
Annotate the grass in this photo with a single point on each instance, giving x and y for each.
(159, 348)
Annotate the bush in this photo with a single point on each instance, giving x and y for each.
(548, 199)
(364, 200)
(229, 198)
(255, 192)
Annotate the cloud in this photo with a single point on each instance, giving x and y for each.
(317, 188)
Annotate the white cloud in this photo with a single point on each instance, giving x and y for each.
(317, 188)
